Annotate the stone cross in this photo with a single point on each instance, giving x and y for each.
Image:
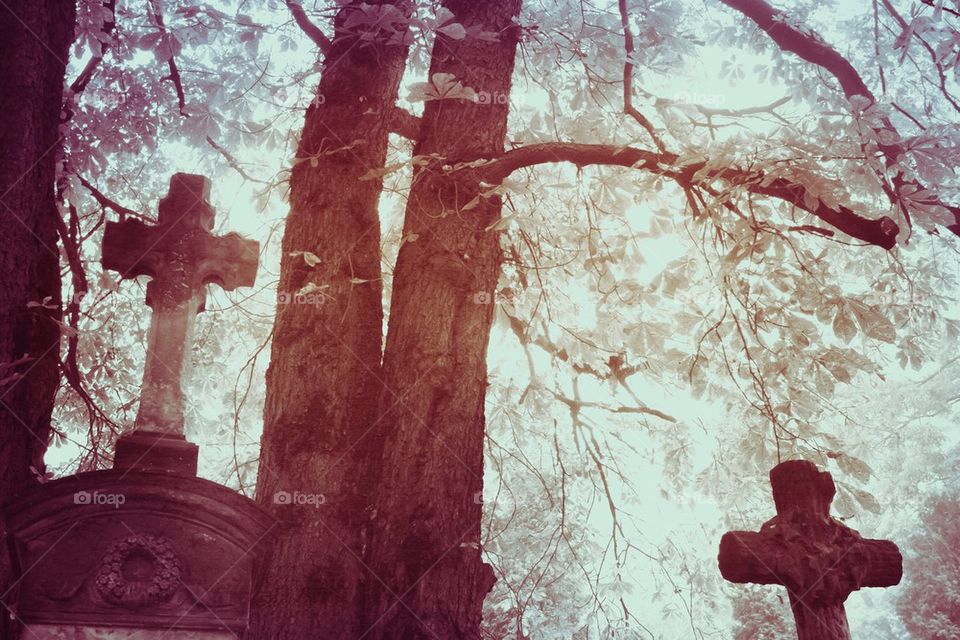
(181, 256)
(817, 558)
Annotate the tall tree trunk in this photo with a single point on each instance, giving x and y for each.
(430, 578)
(327, 344)
(35, 36)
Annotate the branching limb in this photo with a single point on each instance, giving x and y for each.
(232, 161)
(881, 232)
(617, 371)
(174, 76)
(810, 47)
(69, 236)
(628, 107)
(404, 123)
(108, 203)
(306, 25)
(931, 3)
(912, 33)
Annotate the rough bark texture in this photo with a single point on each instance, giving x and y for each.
(429, 579)
(34, 38)
(326, 347)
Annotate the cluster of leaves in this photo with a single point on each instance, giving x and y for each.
(930, 603)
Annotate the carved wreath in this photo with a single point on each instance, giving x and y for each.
(133, 593)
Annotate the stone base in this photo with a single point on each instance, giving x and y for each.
(58, 632)
(75, 540)
(156, 451)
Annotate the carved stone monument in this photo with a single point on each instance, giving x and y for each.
(817, 558)
(146, 550)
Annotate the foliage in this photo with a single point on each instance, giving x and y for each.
(930, 602)
(657, 348)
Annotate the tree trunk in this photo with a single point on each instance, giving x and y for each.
(430, 580)
(35, 36)
(327, 345)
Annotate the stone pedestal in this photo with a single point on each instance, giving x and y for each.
(156, 451)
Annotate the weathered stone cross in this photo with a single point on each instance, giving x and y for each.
(818, 559)
(182, 257)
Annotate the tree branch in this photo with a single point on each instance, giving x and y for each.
(810, 47)
(404, 123)
(628, 107)
(174, 76)
(931, 3)
(232, 161)
(313, 31)
(805, 44)
(881, 232)
(107, 203)
(82, 80)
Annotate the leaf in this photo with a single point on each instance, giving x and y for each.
(453, 30)
(840, 373)
(442, 86)
(502, 223)
(842, 504)
(843, 324)
(310, 287)
(867, 500)
(855, 467)
(873, 323)
(310, 258)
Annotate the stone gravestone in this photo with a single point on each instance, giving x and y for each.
(817, 558)
(146, 550)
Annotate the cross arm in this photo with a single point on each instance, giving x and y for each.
(230, 261)
(759, 558)
(875, 563)
(127, 249)
(747, 557)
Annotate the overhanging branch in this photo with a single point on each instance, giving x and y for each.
(810, 47)
(404, 123)
(174, 76)
(233, 162)
(107, 203)
(313, 32)
(881, 232)
(805, 44)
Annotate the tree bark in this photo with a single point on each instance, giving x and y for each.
(35, 36)
(429, 578)
(327, 344)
